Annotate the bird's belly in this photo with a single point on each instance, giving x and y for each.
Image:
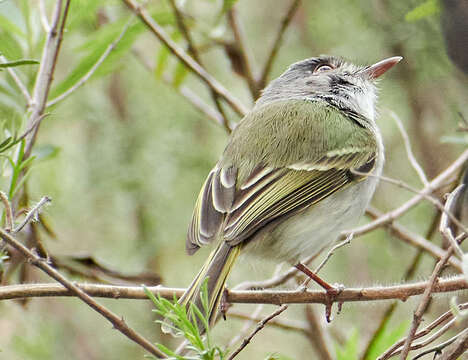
(315, 228)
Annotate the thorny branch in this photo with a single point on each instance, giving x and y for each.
(117, 322)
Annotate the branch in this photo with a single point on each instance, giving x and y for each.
(192, 65)
(396, 213)
(458, 348)
(46, 70)
(259, 327)
(93, 69)
(76, 290)
(277, 43)
(17, 81)
(400, 292)
(239, 38)
(412, 159)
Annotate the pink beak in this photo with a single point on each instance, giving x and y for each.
(381, 67)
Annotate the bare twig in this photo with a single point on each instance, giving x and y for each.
(192, 65)
(444, 229)
(458, 348)
(317, 336)
(259, 327)
(33, 213)
(46, 71)
(8, 211)
(447, 316)
(285, 324)
(117, 322)
(192, 49)
(245, 55)
(43, 14)
(188, 94)
(421, 309)
(277, 43)
(332, 251)
(412, 159)
(17, 81)
(396, 213)
(400, 292)
(93, 69)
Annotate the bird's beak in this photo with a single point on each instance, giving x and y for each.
(381, 67)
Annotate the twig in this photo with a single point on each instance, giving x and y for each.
(447, 316)
(396, 213)
(32, 214)
(192, 49)
(285, 324)
(93, 69)
(259, 327)
(317, 335)
(332, 251)
(8, 211)
(415, 240)
(192, 65)
(117, 322)
(46, 71)
(431, 199)
(44, 20)
(245, 56)
(458, 348)
(444, 229)
(17, 81)
(409, 274)
(400, 292)
(188, 94)
(421, 309)
(412, 159)
(277, 43)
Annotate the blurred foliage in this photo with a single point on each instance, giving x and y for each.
(125, 155)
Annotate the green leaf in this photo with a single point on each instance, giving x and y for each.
(350, 350)
(426, 9)
(19, 63)
(386, 339)
(45, 152)
(227, 5)
(180, 73)
(10, 27)
(10, 46)
(454, 139)
(161, 62)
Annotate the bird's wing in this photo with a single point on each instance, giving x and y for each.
(234, 205)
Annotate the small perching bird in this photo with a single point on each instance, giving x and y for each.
(294, 173)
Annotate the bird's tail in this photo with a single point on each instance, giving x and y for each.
(214, 272)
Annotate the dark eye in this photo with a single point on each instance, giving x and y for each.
(322, 68)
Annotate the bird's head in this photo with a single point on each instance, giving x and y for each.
(331, 79)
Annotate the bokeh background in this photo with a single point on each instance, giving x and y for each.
(123, 158)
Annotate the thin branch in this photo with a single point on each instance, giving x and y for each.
(277, 43)
(46, 71)
(259, 327)
(345, 242)
(8, 211)
(192, 65)
(400, 292)
(421, 309)
(245, 56)
(458, 348)
(17, 81)
(284, 324)
(43, 14)
(117, 322)
(188, 94)
(396, 213)
(447, 316)
(412, 159)
(93, 69)
(416, 240)
(444, 229)
(192, 49)
(33, 213)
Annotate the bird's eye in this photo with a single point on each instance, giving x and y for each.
(322, 68)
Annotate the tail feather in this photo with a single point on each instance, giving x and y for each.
(215, 272)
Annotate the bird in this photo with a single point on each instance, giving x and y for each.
(297, 170)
